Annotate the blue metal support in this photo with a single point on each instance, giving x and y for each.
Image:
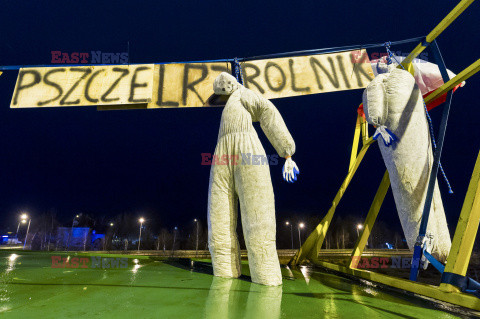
(417, 253)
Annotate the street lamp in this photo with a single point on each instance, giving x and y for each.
(113, 234)
(105, 239)
(300, 226)
(73, 221)
(196, 245)
(359, 227)
(291, 230)
(174, 238)
(71, 230)
(141, 220)
(24, 220)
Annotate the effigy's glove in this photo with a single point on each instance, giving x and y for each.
(290, 170)
(388, 137)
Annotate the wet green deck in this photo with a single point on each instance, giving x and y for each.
(152, 288)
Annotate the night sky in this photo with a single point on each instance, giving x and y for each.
(147, 162)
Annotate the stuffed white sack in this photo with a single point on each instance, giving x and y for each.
(393, 103)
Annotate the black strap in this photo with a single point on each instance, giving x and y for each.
(466, 284)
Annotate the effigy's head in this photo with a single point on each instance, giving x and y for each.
(225, 84)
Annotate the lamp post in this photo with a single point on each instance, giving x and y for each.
(23, 220)
(291, 230)
(196, 245)
(359, 227)
(113, 232)
(174, 238)
(141, 220)
(111, 240)
(28, 228)
(73, 221)
(300, 226)
(18, 227)
(71, 230)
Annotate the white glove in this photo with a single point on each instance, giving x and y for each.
(290, 170)
(388, 137)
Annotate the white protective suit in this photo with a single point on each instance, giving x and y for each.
(245, 177)
(226, 299)
(394, 100)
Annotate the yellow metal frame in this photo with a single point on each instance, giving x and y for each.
(466, 231)
(431, 291)
(459, 255)
(458, 258)
(370, 220)
(459, 78)
(311, 247)
(460, 7)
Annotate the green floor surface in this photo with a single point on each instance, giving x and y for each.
(156, 288)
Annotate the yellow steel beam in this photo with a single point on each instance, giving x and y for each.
(466, 232)
(459, 8)
(459, 78)
(370, 220)
(364, 124)
(457, 298)
(311, 251)
(356, 138)
(314, 242)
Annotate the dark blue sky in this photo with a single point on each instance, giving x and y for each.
(104, 163)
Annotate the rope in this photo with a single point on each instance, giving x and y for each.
(238, 71)
(429, 119)
(390, 54)
(330, 50)
(275, 55)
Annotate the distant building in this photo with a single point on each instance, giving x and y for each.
(9, 240)
(79, 238)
